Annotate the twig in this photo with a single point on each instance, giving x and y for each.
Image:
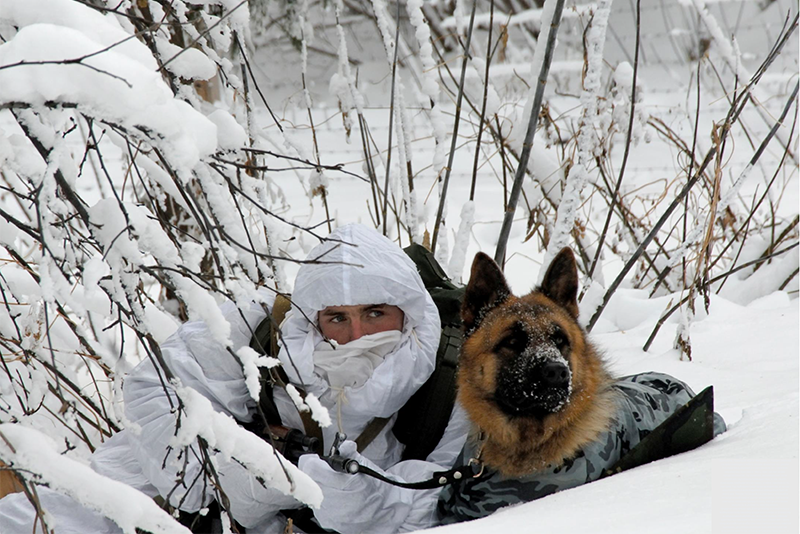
(691, 166)
(705, 285)
(489, 55)
(733, 115)
(255, 82)
(391, 122)
(339, 167)
(204, 33)
(615, 193)
(454, 139)
(505, 229)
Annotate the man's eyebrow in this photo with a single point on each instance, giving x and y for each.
(328, 311)
(374, 307)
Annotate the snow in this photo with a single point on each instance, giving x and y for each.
(623, 76)
(458, 257)
(224, 434)
(522, 17)
(112, 85)
(8, 232)
(251, 361)
(587, 141)
(191, 64)
(103, 30)
(230, 135)
(129, 508)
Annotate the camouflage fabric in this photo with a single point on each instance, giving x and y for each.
(645, 402)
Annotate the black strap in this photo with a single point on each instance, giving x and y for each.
(438, 480)
(421, 422)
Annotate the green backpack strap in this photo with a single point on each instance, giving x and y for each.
(422, 421)
(370, 432)
(265, 341)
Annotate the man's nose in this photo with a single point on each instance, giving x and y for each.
(357, 329)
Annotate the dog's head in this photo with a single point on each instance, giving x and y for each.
(518, 353)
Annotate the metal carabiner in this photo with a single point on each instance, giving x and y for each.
(337, 440)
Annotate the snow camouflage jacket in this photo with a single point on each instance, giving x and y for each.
(645, 401)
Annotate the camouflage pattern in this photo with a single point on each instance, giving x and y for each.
(644, 402)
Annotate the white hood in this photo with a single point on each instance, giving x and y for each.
(359, 266)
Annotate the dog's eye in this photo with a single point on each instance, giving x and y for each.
(511, 342)
(560, 340)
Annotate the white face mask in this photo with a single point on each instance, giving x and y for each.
(351, 364)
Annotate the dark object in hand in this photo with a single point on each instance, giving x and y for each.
(292, 443)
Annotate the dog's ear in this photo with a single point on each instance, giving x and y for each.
(560, 282)
(486, 289)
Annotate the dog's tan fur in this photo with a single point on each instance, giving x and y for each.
(519, 445)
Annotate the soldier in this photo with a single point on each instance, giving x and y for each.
(361, 336)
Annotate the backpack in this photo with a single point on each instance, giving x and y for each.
(421, 422)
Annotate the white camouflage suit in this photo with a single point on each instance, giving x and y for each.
(360, 267)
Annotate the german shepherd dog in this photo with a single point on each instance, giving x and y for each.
(528, 377)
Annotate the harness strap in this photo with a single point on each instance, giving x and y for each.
(280, 308)
(311, 427)
(370, 432)
(438, 480)
(691, 426)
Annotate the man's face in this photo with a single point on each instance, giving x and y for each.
(348, 323)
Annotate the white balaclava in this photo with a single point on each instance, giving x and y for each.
(351, 364)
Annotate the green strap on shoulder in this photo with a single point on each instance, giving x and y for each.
(264, 342)
(370, 432)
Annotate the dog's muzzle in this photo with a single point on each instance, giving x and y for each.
(536, 389)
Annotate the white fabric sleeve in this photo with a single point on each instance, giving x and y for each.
(66, 516)
(201, 362)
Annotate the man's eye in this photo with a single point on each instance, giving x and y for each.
(337, 319)
(375, 313)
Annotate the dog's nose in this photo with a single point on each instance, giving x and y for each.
(555, 374)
